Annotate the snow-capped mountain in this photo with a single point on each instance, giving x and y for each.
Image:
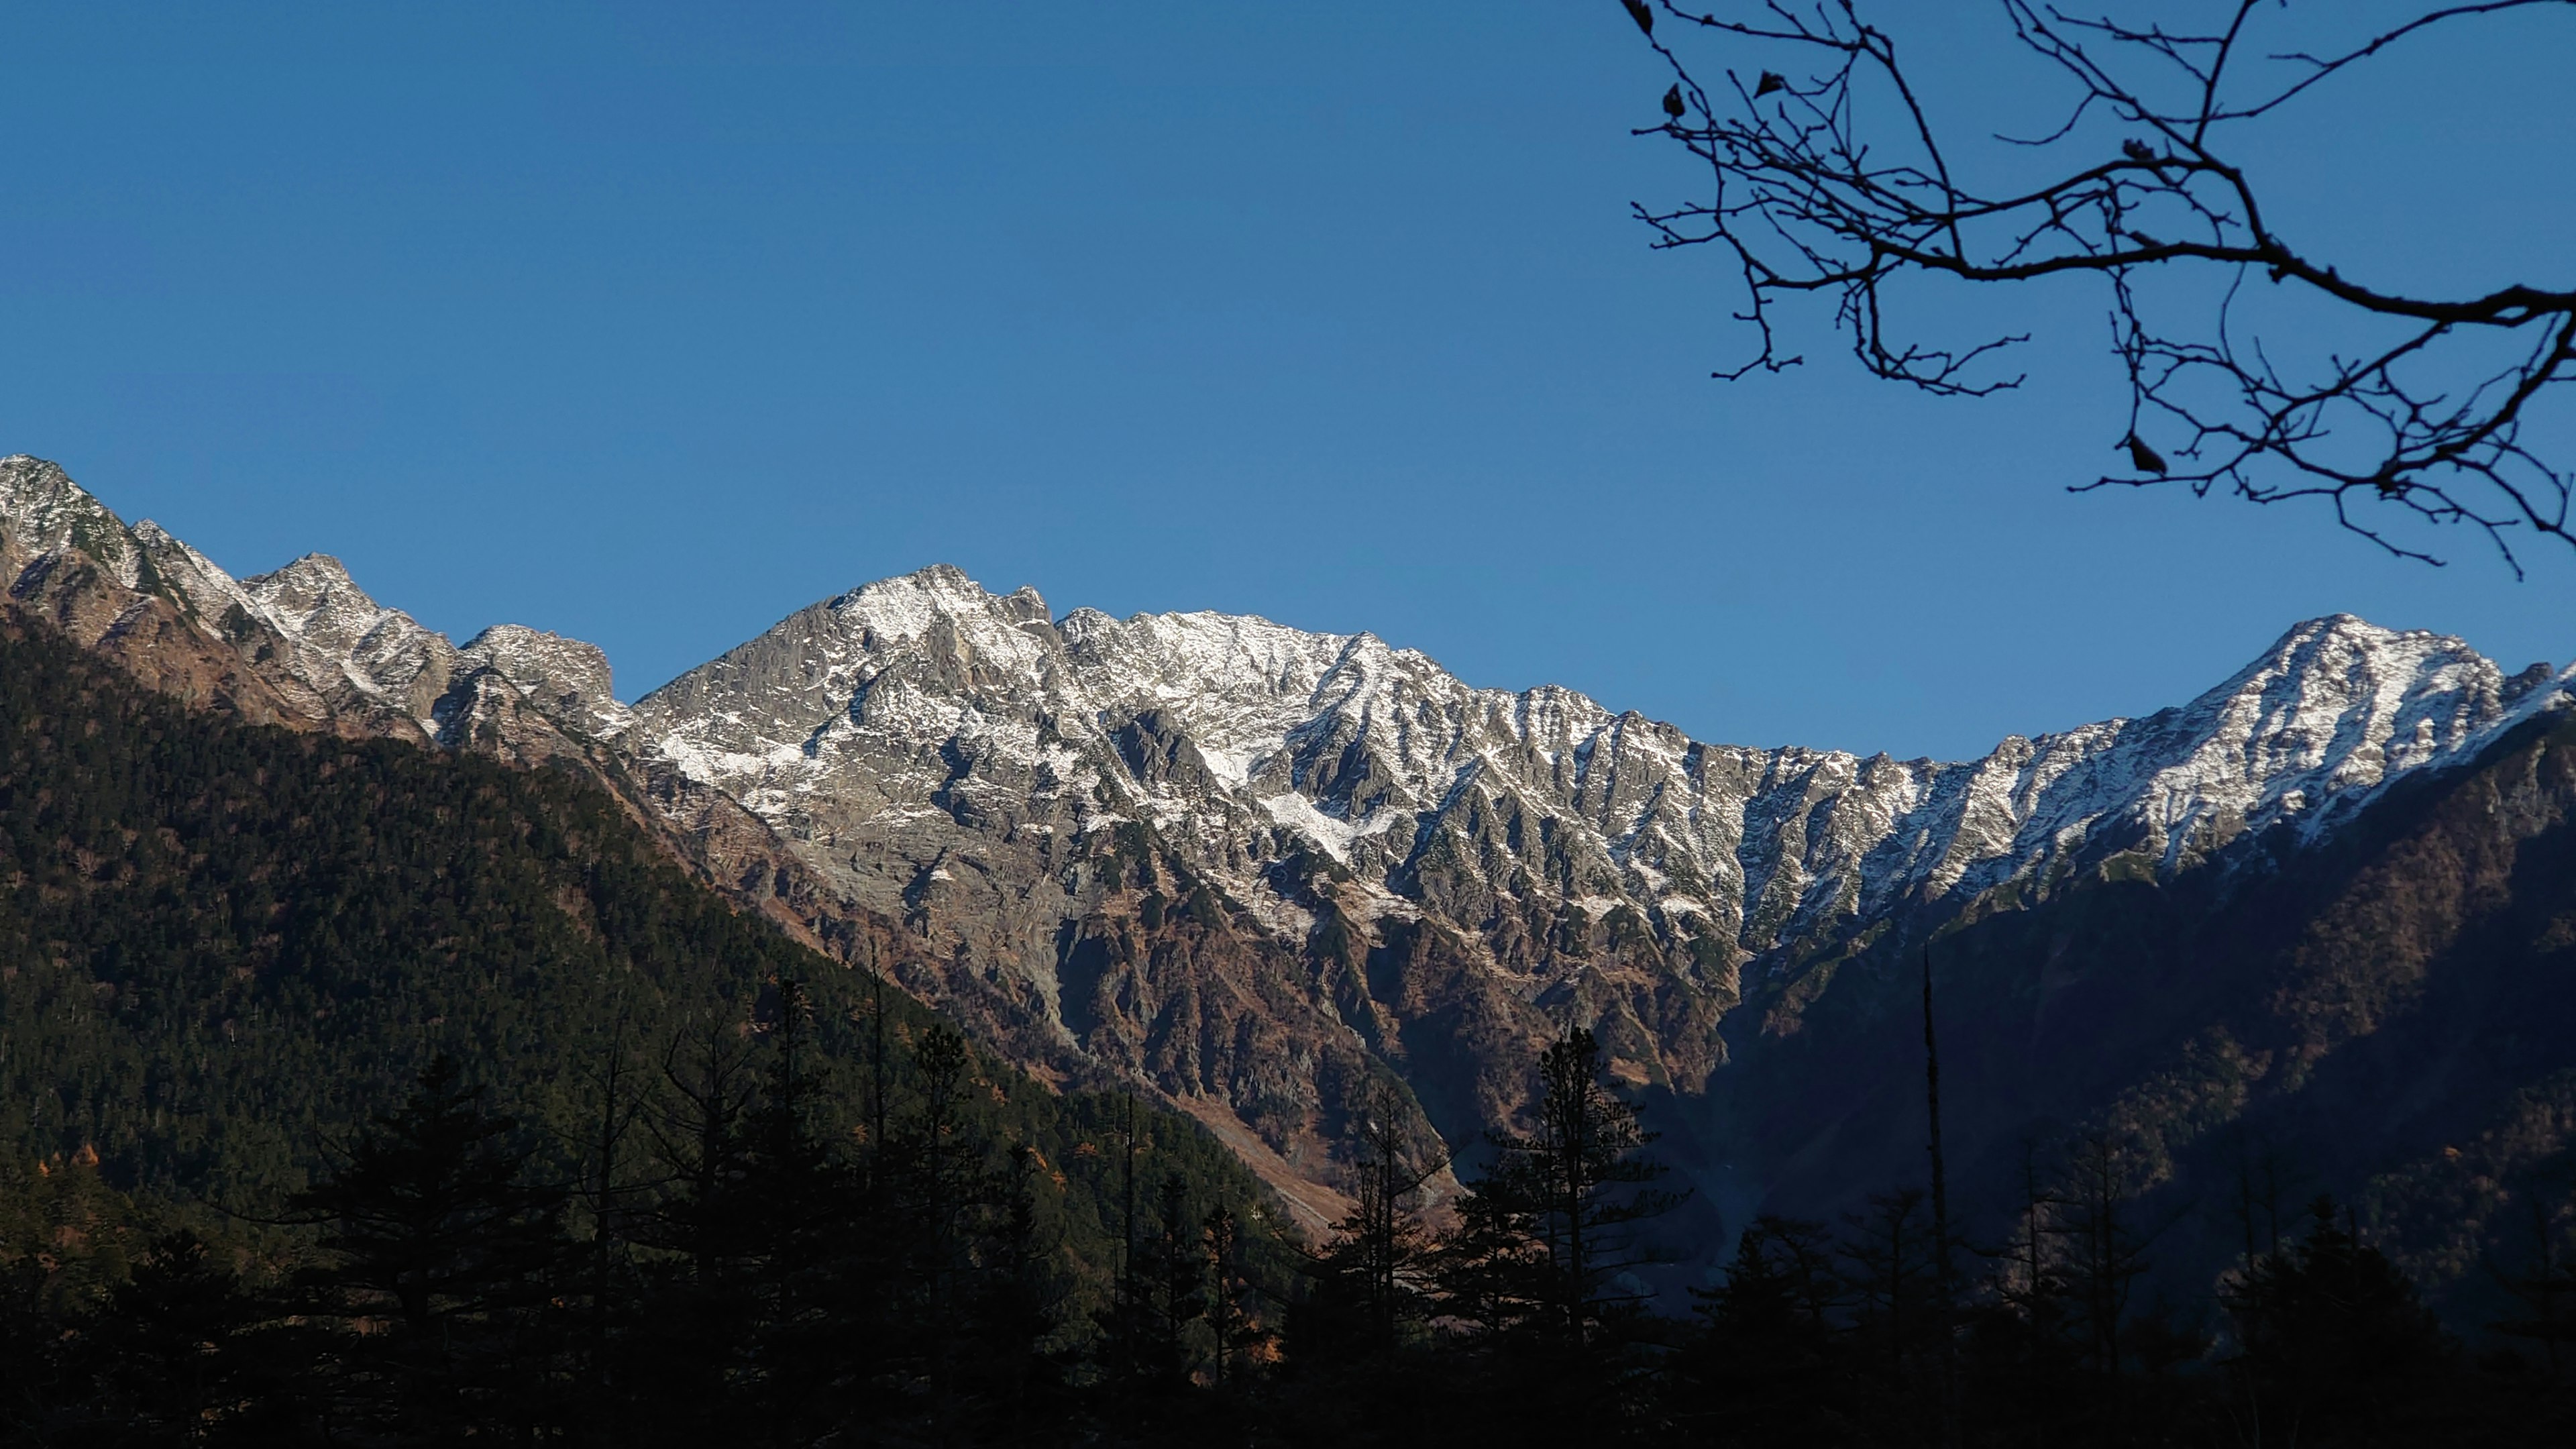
(1264, 868)
(1428, 874)
(896, 729)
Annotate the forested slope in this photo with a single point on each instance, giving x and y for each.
(223, 945)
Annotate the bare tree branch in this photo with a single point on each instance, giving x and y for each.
(1805, 198)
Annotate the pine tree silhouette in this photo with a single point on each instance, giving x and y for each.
(445, 1252)
(2333, 1343)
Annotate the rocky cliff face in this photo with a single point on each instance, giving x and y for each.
(1263, 866)
(1268, 870)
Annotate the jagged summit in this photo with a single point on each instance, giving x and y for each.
(566, 677)
(315, 572)
(318, 647)
(929, 710)
(42, 511)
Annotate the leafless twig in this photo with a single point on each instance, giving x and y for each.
(1829, 176)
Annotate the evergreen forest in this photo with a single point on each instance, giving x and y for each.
(356, 1094)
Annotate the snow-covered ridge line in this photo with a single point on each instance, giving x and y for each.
(1269, 739)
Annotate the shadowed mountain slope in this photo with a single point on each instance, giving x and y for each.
(2381, 1015)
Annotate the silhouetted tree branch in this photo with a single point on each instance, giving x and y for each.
(1830, 174)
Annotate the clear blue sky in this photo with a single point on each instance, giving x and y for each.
(649, 324)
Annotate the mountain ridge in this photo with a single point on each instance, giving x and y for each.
(2276, 741)
(1270, 871)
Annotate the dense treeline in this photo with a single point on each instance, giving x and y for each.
(1525, 1320)
(723, 1270)
(726, 1273)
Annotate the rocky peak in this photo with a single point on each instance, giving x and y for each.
(43, 512)
(314, 601)
(325, 652)
(345, 643)
(2533, 676)
(565, 678)
(2311, 728)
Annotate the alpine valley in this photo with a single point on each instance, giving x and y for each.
(2324, 914)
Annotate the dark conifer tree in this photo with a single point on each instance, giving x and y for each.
(1180, 1290)
(1539, 1273)
(799, 1205)
(1231, 1326)
(1766, 1364)
(1016, 1304)
(1894, 1282)
(1368, 1290)
(944, 1184)
(446, 1251)
(30, 1348)
(1945, 1284)
(2106, 1252)
(1492, 1280)
(1129, 1323)
(2023, 1350)
(603, 1336)
(2333, 1344)
(692, 1350)
(2544, 1285)
(179, 1357)
(1578, 1187)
